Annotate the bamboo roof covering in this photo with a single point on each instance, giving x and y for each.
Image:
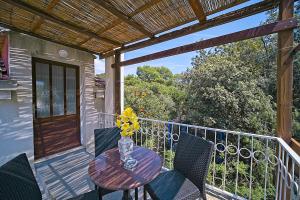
(100, 26)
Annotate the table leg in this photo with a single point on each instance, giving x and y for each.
(136, 193)
(126, 195)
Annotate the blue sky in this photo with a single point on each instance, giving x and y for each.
(180, 63)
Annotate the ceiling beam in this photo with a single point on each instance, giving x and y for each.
(222, 19)
(116, 22)
(107, 6)
(56, 20)
(13, 28)
(198, 10)
(221, 40)
(50, 6)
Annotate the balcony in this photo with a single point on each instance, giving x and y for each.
(243, 166)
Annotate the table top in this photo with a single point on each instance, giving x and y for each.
(106, 170)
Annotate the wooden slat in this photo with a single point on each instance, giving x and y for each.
(56, 20)
(226, 18)
(285, 74)
(118, 21)
(144, 7)
(50, 6)
(13, 28)
(123, 17)
(225, 39)
(198, 10)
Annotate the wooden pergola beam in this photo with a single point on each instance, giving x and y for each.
(222, 19)
(221, 40)
(56, 20)
(50, 6)
(107, 6)
(45, 38)
(198, 10)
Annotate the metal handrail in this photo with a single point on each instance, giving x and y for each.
(272, 153)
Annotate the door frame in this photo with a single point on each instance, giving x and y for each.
(34, 105)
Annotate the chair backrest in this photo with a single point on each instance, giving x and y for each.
(192, 158)
(105, 139)
(17, 180)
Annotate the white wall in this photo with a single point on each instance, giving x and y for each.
(16, 120)
(110, 85)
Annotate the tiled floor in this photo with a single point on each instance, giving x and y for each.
(66, 176)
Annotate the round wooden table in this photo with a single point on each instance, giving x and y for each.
(107, 172)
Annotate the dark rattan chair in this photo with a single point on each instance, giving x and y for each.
(187, 180)
(17, 182)
(105, 139)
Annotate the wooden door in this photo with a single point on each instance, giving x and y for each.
(56, 107)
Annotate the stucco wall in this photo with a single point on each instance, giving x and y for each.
(16, 120)
(110, 85)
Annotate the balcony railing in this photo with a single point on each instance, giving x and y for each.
(244, 165)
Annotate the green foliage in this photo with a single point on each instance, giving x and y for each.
(101, 75)
(230, 79)
(230, 87)
(170, 155)
(154, 93)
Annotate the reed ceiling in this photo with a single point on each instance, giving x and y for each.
(102, 25)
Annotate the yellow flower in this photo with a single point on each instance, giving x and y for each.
(129, 133)
(124, 133)
(118, 123)
(128, 112)
(128, 122)
(124, 118)
(136, 125)
(125, 127)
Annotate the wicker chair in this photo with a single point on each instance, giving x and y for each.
(17, 182)
(187, 180)
(105, 139)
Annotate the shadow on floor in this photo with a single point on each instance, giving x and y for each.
(66, 176)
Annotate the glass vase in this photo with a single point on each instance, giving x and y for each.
(125, 145)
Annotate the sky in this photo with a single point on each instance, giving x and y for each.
(180, 63)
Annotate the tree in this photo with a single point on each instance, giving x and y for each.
(153, 93)
(226, 89)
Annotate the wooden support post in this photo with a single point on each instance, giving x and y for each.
(117, 84)
(198, 10)
(285, 74)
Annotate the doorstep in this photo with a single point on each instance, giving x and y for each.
(46, 158)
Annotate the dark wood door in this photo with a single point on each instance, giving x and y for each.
(56, 107)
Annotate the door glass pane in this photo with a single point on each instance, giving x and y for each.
(71, 90)
(42, 90)
(58, 90)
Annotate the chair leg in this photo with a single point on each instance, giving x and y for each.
(99, 193)
(126, 195)
(136, 193)
(145, 194)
